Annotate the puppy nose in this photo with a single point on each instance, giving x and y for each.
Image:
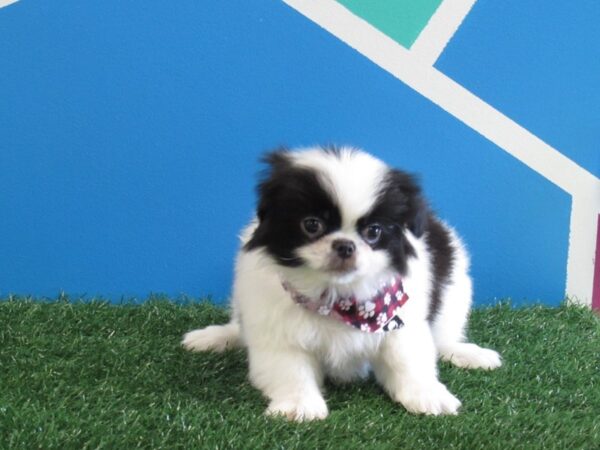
(344, 248)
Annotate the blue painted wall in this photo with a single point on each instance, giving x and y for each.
(130, 133)
(538, 62)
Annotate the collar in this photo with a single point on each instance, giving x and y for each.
(379, 314)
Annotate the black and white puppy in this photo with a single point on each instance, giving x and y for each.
(344, 271)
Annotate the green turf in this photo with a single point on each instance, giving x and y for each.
(101, 376)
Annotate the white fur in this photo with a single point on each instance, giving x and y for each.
(291, 350)
(340, 174)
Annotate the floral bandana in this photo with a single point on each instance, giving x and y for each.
(377, 315)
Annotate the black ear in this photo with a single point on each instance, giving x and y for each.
(418, 219)
(408, 199)
(269, 186)
(277, 163)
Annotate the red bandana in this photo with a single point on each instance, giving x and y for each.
(377, 315)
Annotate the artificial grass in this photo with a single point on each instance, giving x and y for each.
(96, 375)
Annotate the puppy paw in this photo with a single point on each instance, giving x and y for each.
(471, 356)
(431, 399)
(217, 338)
(299, 409)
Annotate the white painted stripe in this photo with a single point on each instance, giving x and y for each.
(481, 117)
(432, 40)
(446, 93)
(4, 3)
(582, 251)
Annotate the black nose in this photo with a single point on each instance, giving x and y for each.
(344, 248)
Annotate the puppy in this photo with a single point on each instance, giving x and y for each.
(344, 271)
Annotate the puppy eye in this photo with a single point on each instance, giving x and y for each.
(313, 227)
(371, 233)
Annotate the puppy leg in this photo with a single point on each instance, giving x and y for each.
(470, 356)
(291, 380)
(449, 326)
(406, 367)
(217, 338)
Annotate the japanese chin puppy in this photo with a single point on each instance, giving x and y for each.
(346, 271)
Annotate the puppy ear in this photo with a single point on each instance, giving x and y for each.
(411, 205)
(277, 162)
(277, 159)
(418, 218)
(269, 186)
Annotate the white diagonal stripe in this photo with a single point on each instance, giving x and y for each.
(481, 117)
(432, 40)
(4, 3)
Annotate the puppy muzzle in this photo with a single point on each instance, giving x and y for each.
(343, 257)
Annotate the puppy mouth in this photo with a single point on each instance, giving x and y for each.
(342, 266)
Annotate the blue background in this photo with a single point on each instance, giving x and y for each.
(130, 133)
(539, 63)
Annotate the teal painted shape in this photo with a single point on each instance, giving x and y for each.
(402, 20)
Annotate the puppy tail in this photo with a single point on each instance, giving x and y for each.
(217, 338)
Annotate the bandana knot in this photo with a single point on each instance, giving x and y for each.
(379, 314)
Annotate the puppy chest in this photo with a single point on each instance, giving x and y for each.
(342, 343)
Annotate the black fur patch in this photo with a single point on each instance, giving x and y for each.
(287, 194)
(442, 259)
(399, 206)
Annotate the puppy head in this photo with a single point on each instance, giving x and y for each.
(336, 216)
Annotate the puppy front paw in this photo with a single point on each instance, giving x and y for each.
(299, 409)
(217, 338)
(472, 356)
(432, 399)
